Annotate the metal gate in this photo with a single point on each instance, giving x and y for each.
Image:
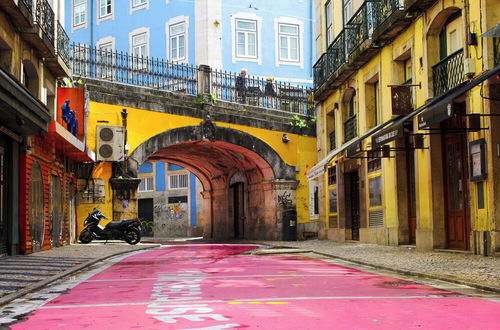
(36, 217)
(353, 182)
(56, 211)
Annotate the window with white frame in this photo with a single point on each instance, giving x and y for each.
(104, 8)
(329, 23)
(139, 48)
(146, 184)
(79, 12)
(347, 10)
(137, 3)
(289, 42)
(177, 41)
(105, 54)
(178, 181)
(246, 38)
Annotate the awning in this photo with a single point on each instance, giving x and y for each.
(494, 32)
(443, 108)
(320, 167)
(438, 108)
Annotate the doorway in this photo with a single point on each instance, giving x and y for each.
(145, 212)
(238, 209)
(457, 212)
(36, 208)
(56, 211)
(411, 198)
(352, 203)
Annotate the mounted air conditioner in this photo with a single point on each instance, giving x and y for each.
(110, 141)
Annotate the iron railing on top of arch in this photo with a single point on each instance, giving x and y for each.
(448, 73)
(262, 92)
(144, 71)
(122, 67)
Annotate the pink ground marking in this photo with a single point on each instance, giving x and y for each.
(302, 300)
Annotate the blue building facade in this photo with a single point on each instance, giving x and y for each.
(268, 38)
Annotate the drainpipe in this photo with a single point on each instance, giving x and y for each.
(91, 21)
(467, 28)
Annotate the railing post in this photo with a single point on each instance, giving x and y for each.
(204, 82)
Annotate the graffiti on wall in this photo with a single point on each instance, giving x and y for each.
(171, 211)
(284, 199)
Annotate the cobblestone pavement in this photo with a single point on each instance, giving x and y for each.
(18, 273)
(473, 270)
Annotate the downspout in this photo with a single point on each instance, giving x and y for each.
(91, 19)
(467, 28)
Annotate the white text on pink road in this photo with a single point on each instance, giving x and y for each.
(182, 287)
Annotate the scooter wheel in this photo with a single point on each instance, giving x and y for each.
(133, 236)
(86, 236)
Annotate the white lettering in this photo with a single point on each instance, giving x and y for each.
(191, 317)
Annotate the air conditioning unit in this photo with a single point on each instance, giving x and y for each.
(110, 140)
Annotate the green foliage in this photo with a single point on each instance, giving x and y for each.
(213, 98)
(298, 122)
(313, 120)
(199, 99)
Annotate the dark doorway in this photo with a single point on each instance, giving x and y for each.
(56, 211)
(238, 208)
(412, 201)
(145, 212)
(456, 183)
(36, 216)
(352, 203)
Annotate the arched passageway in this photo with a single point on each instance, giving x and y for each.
(241, 176)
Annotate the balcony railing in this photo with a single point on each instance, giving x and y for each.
(329, 62)
(29, 5)
(144, 71)
(63, 43)
(261, 92)
(361, 25)
(350, 129)
(91, 62)
(448, 73)
(385, 8)
(45, 18)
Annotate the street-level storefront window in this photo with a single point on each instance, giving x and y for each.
(375, 191)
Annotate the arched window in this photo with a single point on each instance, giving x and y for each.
(30, 77)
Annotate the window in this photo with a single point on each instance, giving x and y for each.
(139, 51)
(375, 191)
(407, 77)
(104, 8)
(332, 175)
(79, 12)
(288, 42)
(137, 3)
(177, 41)
(177, 199)
(332, 200)
(178, 181)
(347, 10)
(313, 199)
(147, 184)
(246, 38)
(374, 161)
(329, 23)
(105, 69)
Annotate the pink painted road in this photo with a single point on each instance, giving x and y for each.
(215, 287)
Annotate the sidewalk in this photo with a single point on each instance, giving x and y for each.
(22, 274)
(463, 268)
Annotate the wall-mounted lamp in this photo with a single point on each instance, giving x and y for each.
(285, 138)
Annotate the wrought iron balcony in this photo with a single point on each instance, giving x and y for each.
(384, 9)
(330, 61)
(448, 73)
(63, 43)
(333, 142)
(350, 129)
(418, 5)
(29, 5)
(45, 18)
(361, 25)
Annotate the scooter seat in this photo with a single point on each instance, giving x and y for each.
(118, 224)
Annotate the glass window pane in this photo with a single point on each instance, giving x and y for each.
(181, 47)
(249, 25)
(79, 2)
(375, 192)
(290, 29)
(251, 50)
(177, 29)
(251, 39)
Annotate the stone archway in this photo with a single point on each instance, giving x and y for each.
(214, 154)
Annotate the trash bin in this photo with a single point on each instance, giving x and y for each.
(289, 225)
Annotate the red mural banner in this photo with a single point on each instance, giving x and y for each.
(71, 110)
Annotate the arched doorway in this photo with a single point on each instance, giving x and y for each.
(36, 208)
(214, 154)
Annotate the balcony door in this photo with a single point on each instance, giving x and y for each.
(449, 38)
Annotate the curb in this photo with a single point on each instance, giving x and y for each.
(24, 291)
(407, 272)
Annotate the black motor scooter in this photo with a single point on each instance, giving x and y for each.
(125, 230)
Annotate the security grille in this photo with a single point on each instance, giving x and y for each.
(376, 219)
(147, 184)
(178, 181)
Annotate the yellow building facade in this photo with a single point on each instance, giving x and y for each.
(407, 98)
